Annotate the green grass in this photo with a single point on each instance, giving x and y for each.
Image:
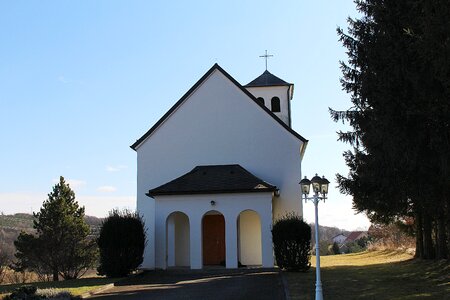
(76, 286)
(374, 275)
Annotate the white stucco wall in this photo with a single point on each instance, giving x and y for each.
(146, 210)
(218, 124)
(267, 93)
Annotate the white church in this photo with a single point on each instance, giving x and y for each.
(215, 172)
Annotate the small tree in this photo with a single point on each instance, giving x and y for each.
(122, 242)
(292, 243)
(61, 246)
(335, 248)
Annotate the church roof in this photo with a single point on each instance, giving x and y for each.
(194, 87)
(214, 179)
(267, 79)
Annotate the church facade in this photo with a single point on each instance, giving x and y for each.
(215, 172)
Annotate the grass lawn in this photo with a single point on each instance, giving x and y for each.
(374, 275)
(76, 286)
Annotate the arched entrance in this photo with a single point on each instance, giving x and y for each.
(213, 238)
(178, 240)
(249, 238)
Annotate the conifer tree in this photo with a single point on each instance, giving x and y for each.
(398, 76)
(61, 245)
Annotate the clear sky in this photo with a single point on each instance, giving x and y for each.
(80, 81)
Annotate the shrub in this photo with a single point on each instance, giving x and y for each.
(29, 292)
(292, 243)
(354, 247)
(54, 294)
(23, 292)
(325, 248)
(335, 248)
(121, 243)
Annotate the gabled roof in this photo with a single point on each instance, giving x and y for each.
(194, 87)
(214, 179)
(354, 235)
(339, 235)
(267, 79)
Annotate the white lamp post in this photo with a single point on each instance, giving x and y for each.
(320, 186)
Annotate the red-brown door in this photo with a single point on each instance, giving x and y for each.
(213, 228)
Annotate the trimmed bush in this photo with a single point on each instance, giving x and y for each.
(121, 243)
(292, 243)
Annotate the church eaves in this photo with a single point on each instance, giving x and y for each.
(195, 86)
(214, 179)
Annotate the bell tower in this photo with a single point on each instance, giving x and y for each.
(274, 93)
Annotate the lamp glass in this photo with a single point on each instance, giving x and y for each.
(305, 188)
(316, 187)
(316, 183)
(324, 188)
(324, 185)
(305, 185)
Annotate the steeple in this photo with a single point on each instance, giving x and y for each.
(274, 93)
(267, 79)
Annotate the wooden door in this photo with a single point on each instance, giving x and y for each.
(213, 227)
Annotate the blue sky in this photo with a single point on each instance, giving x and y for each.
(80, 81)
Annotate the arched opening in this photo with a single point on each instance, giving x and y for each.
(178, 240)
(275, 104)
(249, 238)
(260, 100)
(213, 238)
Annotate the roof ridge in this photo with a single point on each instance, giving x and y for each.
(216, 66)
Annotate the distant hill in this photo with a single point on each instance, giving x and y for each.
(16, 221)
(12, 225)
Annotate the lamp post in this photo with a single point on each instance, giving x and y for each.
(320, 186)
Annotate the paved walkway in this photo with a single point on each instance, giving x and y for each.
(214, 284)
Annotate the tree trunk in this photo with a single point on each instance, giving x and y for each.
(419, 235)
(447, 218)
(428, 252)
(441, 244)
(55, 275)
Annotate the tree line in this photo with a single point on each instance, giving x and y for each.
(398, 78)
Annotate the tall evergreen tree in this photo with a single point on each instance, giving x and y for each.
(61, 245)
(398, 76)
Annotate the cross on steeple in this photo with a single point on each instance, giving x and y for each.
(266, 56)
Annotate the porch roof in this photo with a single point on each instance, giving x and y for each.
(214, 179)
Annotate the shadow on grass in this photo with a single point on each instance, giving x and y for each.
(410, 279)
(64, 284)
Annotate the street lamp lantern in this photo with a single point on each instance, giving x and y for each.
(324, 186)
(316, 183)
(305, 184)
(320, 185)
